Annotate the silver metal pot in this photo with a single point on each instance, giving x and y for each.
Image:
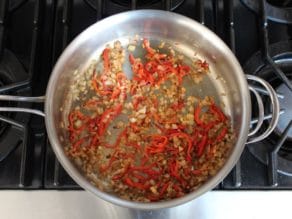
(186, 35)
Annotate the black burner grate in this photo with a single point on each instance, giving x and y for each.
(14, 4)
(267, 150)
(22, 148)
(278, 11)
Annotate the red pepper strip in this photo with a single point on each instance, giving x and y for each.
(221, 135)
(203, 64)
(196, 172)
(144, 159)
(106, 145)
(132, 59)
(116, 93)
(92, 124)
(189, 141)
(214, 109)
(177, 189)
(158, 144)
(180, 128)
(75, 114)
(201, 146)
(209, 126)
(150, 79)
(173, 151)
(187, 172)
(96, 87)
(140, 177)
(147, 170)
(72, 117)
(153, 198)
(152, 172)
(160, 57)
(195, 136)
(173, 167)
(197, 115)
(94, 141)
(72, 137)
(182, 71)
(178, 106)
(104, 168)
(182, 135)
(166, 69)
(163, 189)
(197, 119)
(155, 150)
(138, 69)
(106, 61)
(134, 127)
(151, 66)
(121, 77)
(155, 102)
(211, 152)
(77, 144)
(92, 103)
(146, 44)
(137, 185)
(124, 95)
(159, 140)
(189, 151)
(137, 66)
(110, 113)
(136, 101)
(121, 175)
(156, 117)
(94, 82)
(105, 92)
(161, 80)
(133, 89)
(143, 167)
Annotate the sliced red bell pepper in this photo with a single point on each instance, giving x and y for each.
(221, 135)
(146, 44)
(218, 112)
(136, 185)
(106, 61)
(197, 115)
(202, 145)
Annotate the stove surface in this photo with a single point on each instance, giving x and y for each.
(34, 33)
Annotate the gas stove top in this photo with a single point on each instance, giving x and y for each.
(33, 33)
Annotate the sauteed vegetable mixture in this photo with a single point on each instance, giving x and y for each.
(144, 138)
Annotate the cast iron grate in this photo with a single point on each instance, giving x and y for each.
(21, 153)
(269, 150)
(278, 11)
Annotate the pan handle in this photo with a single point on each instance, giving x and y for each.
(39, 99)
(275, 106)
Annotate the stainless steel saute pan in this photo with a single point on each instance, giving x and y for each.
(187, 36)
